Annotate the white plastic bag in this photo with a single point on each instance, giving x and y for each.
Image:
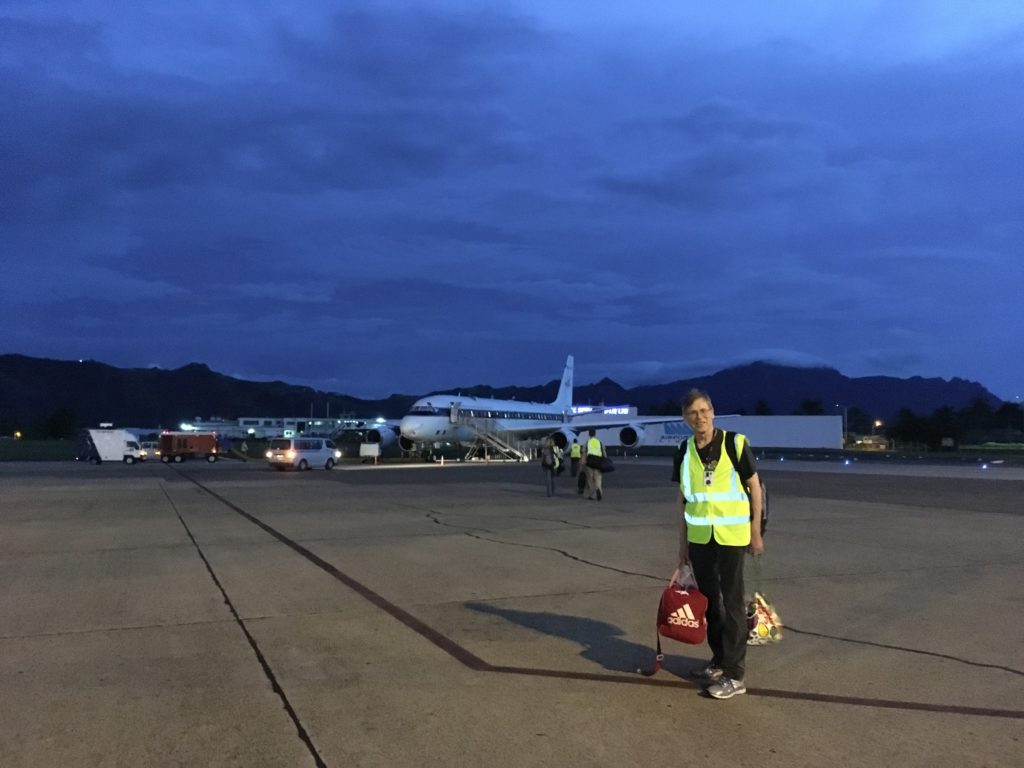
(763, 622)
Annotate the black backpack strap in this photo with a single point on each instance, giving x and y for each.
(729, 438)
(677, 461)
(730, 447)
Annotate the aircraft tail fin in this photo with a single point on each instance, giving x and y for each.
(564, 399)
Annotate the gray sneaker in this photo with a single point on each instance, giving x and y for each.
(709, 673)
(726, 688)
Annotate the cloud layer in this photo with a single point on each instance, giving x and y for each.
(376, 197)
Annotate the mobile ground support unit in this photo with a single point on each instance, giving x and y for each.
(178, 446)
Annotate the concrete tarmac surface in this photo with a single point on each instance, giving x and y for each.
(230, 615)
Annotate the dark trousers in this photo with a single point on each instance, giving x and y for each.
(549, 480)
(719, 573)
(575, 466)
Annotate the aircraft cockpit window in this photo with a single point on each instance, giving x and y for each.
(427, 410)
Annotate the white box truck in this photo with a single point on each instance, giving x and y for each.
(107, 444)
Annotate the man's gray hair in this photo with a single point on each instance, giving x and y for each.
(693, 396)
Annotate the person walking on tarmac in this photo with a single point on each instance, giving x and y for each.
(574, 457)
(549, 463)
(592, 455)
(720, 504)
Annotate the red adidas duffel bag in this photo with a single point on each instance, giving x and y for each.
(682, 611)
(681, 615)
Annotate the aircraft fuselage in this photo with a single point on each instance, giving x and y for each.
(450, 418)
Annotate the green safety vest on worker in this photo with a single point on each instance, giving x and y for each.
(594, 447)
(576, 451)
(722, 507)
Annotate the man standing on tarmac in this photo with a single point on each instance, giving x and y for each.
(720, 520)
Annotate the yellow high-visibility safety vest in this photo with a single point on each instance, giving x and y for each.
(594, 447)
(722, 507)
(576, 451)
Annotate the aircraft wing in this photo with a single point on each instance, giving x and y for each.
(587, 420)
(631, 428)
(590, 421)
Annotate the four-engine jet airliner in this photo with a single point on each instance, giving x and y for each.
(461, 419)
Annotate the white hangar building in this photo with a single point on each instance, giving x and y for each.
(762, 431)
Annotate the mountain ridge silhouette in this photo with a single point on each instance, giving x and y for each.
(33, 390)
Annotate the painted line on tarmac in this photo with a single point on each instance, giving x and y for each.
(472, 661)
(773, 693)
(443, 642)
(301, 731)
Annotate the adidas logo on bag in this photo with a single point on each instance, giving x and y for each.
(683, 617)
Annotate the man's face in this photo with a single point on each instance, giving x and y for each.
(700, 416)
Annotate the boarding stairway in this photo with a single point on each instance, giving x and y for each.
(492, 445)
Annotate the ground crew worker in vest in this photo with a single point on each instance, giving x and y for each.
(720, 511)
(593, 447)
(559, 458)
(574, 457)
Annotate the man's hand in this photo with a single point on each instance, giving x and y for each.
(756, 546)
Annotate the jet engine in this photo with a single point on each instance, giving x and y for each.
(563, 438)
(630, 436)
(383, 435)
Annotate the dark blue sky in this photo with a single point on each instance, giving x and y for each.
(396, 197)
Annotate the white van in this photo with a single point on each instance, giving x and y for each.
(302, 453)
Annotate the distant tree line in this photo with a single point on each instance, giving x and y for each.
(978, 423)
(58, 425)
